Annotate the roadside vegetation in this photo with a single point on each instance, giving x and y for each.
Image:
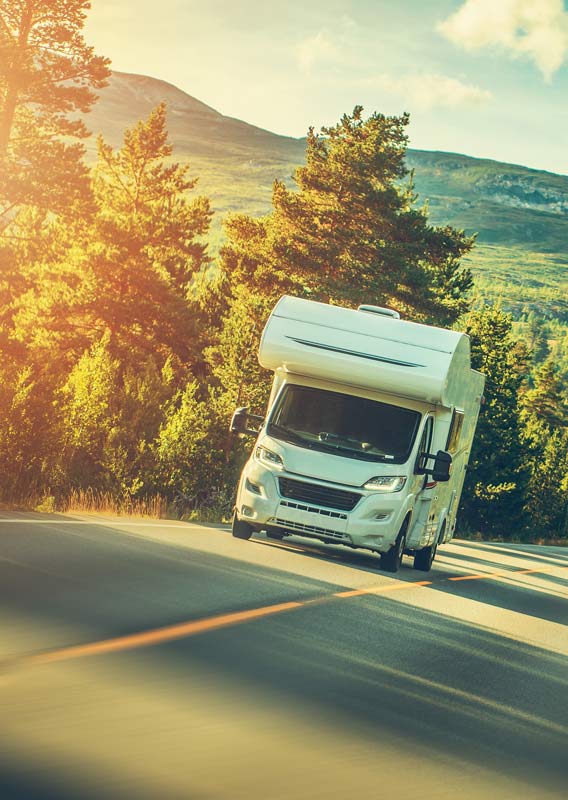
(125, 345)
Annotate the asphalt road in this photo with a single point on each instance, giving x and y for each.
(153, 660)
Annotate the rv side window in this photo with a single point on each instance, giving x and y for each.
(425, 444)
(455, 431)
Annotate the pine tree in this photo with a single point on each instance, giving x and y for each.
(47, 72)
(47, 75)
(494, 489)
(547, 401)
(537, 338)
(352, 232)
(127, 268)
(545, 434)
(148, 236)
(547, 490)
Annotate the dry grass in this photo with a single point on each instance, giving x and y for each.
(90, 501)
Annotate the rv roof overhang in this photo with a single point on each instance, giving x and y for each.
(283, 377)
(367, 351)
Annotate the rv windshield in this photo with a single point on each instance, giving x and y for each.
(344, 424)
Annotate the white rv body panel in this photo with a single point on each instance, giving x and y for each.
(420, 370)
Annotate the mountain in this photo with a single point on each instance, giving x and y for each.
(236, 162)
(505, 203)
(519, 214)
(195, 128)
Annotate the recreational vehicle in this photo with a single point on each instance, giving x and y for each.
(367, 435)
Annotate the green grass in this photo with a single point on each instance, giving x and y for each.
(522, 280)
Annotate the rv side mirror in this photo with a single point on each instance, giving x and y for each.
(240, 421)
(442, 467)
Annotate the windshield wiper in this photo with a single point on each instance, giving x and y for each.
(288, 435)
(336, 438)
(362, 455)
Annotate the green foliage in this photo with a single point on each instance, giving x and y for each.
(16, 427)
(547, 401)
(545, 417)
(523, 281)
(547, 490)
(493, 491)
(232, 358)
(190, 446)
(110, 416)
(28, 430)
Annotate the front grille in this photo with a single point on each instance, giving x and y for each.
(323, 512)
(320, 495)
(311, 530)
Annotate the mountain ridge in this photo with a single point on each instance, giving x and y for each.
(505, 203)
(519, 213)
(132, 79)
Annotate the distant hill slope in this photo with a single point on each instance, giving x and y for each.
(509, 206)
(236, 162)
(506, 204)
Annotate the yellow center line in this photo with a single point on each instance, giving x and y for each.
(479, 577)
(381, 589)
(183, 630)
(160, 635)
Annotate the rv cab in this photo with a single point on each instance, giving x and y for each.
(367, 434)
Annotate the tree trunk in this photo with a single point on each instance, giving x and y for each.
(14, 79)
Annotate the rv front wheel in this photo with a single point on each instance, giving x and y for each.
(241, 529)
(391, 561)
(424, 559)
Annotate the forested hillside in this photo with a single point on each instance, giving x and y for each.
(520, 216)
(128, 330)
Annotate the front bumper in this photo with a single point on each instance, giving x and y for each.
(373, 523)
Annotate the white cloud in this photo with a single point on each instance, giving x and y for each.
(328, 46)
(432, 91)
(321, 48)
(537, 29)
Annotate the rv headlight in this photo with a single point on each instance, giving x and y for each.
(386, 484)
(268, 458)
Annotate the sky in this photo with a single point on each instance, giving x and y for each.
(488, 78)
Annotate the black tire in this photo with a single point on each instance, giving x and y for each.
(241, 529)
(275, 535)
(423, 559)
(391, 561)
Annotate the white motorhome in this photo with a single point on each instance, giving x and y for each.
(368, 431)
